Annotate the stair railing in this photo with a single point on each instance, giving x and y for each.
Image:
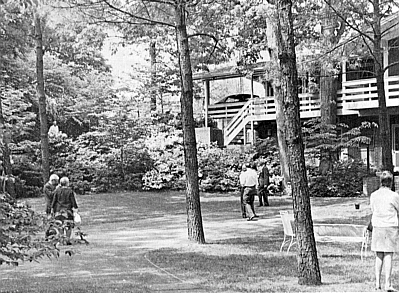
(238, 122)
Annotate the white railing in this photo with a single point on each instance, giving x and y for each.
(238, 122)
(354, 96)
(362, 94)
(225, 110)
(258, 110)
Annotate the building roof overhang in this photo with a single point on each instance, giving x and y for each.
(227, 72)
(390, 27)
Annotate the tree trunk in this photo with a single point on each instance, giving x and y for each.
(383, 119)
(328, 96)
(308, 265)
(153, 62)
(7, 167)
(282, 144)
(7, 181)
(42, 100)
(194, 217)
(328, 84)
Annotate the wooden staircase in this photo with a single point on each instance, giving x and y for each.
(240, 118)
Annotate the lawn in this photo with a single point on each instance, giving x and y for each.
(138, 243)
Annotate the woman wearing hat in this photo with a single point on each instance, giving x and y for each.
(48, 190)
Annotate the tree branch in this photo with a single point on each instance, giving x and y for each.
(346, 21)
(129, 14)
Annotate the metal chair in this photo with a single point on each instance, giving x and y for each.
(287, 219)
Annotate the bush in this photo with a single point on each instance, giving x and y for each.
(346, 180)
(27, 169)
(218, 169)
(18, 233)
(94, 163)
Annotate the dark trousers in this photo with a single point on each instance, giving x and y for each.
(263, 194)
(249, 198)
(48, 205)
(242, 204)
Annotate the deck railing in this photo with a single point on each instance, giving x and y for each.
(354, 96)
(358, 95)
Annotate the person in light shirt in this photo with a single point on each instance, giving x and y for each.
(249, 182)
(385, 208)
(242, 203)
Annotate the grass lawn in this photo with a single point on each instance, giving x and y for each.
(138, 243)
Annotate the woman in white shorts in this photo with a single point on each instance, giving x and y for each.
(385, 208)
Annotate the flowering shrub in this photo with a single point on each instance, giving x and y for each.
(166, 151)
(218, 169)
(93, 163)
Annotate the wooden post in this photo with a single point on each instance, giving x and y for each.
(207, 98)
(343, 81)
(385, 48)
(252, 110)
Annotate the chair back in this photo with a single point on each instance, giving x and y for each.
(288, 220)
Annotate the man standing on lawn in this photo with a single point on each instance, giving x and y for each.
(242, 204)
(264, 181)
(249, 182)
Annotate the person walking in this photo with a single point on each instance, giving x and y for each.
(263, 183)
(48, 190)
(385, 211)
(249, 182)
(242, 203)
(64, 205)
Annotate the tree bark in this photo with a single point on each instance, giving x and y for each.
(282, 144)
(194, 217)
(42, 100)
(8, 183)
(328, 83)
(383, 118)
(7, 167)
(153, 62)
(308, 265)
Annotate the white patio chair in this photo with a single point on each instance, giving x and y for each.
(287, 219)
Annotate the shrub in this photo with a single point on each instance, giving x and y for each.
(18, 233)
(94, 163)
(218, 169)
(27, 169)
(346, 180)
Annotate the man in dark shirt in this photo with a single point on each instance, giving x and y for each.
(263, 181)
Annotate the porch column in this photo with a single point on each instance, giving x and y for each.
(252, 132)
(343, 98)
(385, 50)
(252, 86)
(252, 111)
(207, 98)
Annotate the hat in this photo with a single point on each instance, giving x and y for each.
(54, 177)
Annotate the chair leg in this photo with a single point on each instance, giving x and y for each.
(291, 243)
(361, 250)
(282, 244)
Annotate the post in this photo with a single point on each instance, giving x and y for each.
(385, 52)
(207, 98)
(343, 80)
(252, 137)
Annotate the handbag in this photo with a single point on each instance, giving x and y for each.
(76, 218)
